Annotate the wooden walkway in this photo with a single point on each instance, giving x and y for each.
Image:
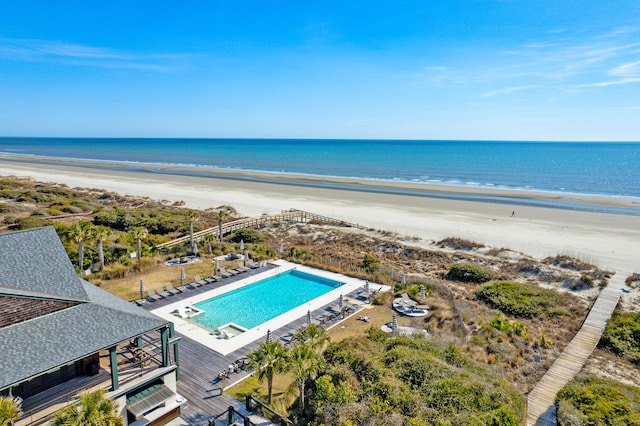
(292, 215)
(541, 409)
(199, 365)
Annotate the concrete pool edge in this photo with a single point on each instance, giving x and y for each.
(226, 346)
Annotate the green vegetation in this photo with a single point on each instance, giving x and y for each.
(370, 263)
(269, 358)
(622, 335)
(523, 300)
(469, 273)
(381, 380)
(10, 410)
(156, 221)
(247, 235)
(95, 410)
(512, 328)
(596, 401)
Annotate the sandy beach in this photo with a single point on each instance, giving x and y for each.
(578, 228)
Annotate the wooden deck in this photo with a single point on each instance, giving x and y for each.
(200, 366)
(292, 215)
(540, 401)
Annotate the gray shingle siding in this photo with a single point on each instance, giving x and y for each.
(36, 260)
(41, 344)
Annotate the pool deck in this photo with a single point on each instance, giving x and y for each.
(200, 364)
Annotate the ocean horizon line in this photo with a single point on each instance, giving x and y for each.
(314, 139)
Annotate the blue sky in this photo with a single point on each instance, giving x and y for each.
(427, 69)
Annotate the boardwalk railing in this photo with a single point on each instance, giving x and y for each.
(291, 215)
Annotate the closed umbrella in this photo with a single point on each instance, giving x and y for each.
(269, 338)
(246, 255)
(403, 279)
(195, 249)
(340, 302)
(366, 287)
(141, 288)
(241, 244)
(280, 249)
(308, 317)
(215, 266)
(422, 292)
(183, 276)
(394, 322)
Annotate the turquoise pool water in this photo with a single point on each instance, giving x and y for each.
(256, 303)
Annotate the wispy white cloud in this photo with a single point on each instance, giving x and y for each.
(505, 91)
(34, 50)
(622, 74)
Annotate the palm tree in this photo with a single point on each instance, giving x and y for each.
(94, 410)
(220, 215)
(138, 233)
(269, 358)
(314, 336)
(101, 233)
(10, 410)
(304, 363)
(80, 233)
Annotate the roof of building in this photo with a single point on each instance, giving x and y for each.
(35, 265)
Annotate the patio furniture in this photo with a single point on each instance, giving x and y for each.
(172, 290)
(153, 295)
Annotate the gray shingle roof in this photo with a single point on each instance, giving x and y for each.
(40, 344)
(35, 260)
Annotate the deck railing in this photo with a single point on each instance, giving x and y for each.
(286, 215)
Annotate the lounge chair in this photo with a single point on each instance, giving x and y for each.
(162, 292)
(172, 290)
(141, 302)
(153, 295)
(194, 284)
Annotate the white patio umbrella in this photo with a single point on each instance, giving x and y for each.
(403, 279)
(394, 322)
(340, 301)
(246, 254)
(366, 287)
(195, 249)
(141, 288)
(215, 266)
(183, 276)
(241, 244)
(422, 295)
(280, 249)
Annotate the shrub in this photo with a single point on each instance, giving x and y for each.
(519, 299)
(622, 335)
(370, 263)
(247, 235)
(595, 401)
(468, 272)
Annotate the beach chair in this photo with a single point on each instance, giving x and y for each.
(181, 288)
(153, 295)
(172, 290)
(141, 302)
(162, 292)
(198, 279)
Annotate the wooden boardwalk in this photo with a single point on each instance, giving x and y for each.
(199, 365)
(541, 400)
(292, 215)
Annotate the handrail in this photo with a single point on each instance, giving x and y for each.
(251, 402)
(291, 214)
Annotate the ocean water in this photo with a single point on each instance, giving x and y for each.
(610, 169)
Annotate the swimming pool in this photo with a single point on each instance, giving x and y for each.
(256, 303)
